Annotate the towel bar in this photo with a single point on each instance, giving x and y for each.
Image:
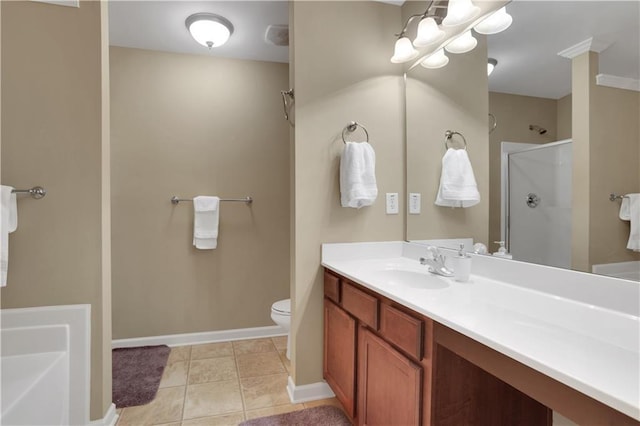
(36, 192)
(175, 199)
(613, 197)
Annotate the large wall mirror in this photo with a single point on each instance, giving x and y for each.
(548, 137)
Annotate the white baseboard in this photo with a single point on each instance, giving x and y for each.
(310, 392)
(200, 338)
(110, 418)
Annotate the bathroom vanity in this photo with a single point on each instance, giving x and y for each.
(403, 346)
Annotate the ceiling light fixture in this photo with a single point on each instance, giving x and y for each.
(495, 23)
(430, 32)
(462, 44)
(460, 12)
(491, 64)
(403, 51)
(436, 60)
(209, 29)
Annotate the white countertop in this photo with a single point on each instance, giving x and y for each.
(593, 349)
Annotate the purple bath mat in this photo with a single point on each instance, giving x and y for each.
(137, 373)
(326, 415)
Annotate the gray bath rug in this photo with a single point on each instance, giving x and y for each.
(325, 415)
(137, 373)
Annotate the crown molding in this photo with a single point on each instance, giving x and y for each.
(589, 45)
(618, 82)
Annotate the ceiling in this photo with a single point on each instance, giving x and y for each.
(160, 25)
(527, 52)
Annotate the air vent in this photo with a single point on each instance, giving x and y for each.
(278, 35)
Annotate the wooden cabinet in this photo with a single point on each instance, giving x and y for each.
(389, 384)
(389, 365)
(340, 354)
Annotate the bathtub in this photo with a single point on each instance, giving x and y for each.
(624, 270)
(44, 365)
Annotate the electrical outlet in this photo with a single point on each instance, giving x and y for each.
(414, 203)
(392, 203)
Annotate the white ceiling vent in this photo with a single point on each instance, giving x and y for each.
(278, 35)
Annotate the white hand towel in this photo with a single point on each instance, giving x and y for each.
(205, 222)
(8, 223)
(358, 186)
(630, 210)
(458, 186)
(625, 208)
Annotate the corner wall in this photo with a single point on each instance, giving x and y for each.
(192, 125)
(53, 134)
(514, 114)
(606, 159)
(455, 98)
(342, 76)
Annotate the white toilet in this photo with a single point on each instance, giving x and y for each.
(281, 315)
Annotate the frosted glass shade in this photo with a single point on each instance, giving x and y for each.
(209, 29)
(403, 51)
(462, 44)
(460, 12)
(491, 64)
(428, 33)
(495, 23)
(436, 60)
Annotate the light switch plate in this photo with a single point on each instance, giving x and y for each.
(392, 203)
(414, 203)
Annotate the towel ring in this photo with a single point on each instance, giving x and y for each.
(448, 135)
(351, 127)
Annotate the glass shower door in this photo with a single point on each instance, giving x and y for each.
(539, 204)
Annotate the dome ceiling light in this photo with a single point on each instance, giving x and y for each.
(209, 29)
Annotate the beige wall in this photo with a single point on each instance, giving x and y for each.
(615, 148)
(606, 159)
(563, 118)
(195, 125)
(52, 135)
(451, 98)
(514, 114)
(341, 76)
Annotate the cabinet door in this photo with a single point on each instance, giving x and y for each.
(340, 354)
(389, 384)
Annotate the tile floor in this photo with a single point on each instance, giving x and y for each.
(220, 384)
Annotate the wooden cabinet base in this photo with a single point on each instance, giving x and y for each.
(389, 384)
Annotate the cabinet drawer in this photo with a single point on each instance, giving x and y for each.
(402, 330)
(332, 287)
(360, 305)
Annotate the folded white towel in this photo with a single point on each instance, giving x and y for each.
(458, 186)
(630, 210)
(8, 223)
(358, 175)
(205, 222)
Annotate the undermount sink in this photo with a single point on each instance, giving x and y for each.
(410, 278)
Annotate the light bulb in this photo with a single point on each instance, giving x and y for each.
(436, 60)
(495, 23)
(428, 33)
(403, 51)
(462, 44)
(460, 12)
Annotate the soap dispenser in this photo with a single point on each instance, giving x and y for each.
(462, 266)
(502, 251)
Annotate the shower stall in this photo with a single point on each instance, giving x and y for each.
(536, 202)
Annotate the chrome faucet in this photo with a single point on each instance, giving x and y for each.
(436, 262)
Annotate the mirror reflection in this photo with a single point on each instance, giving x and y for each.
(554, 142)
